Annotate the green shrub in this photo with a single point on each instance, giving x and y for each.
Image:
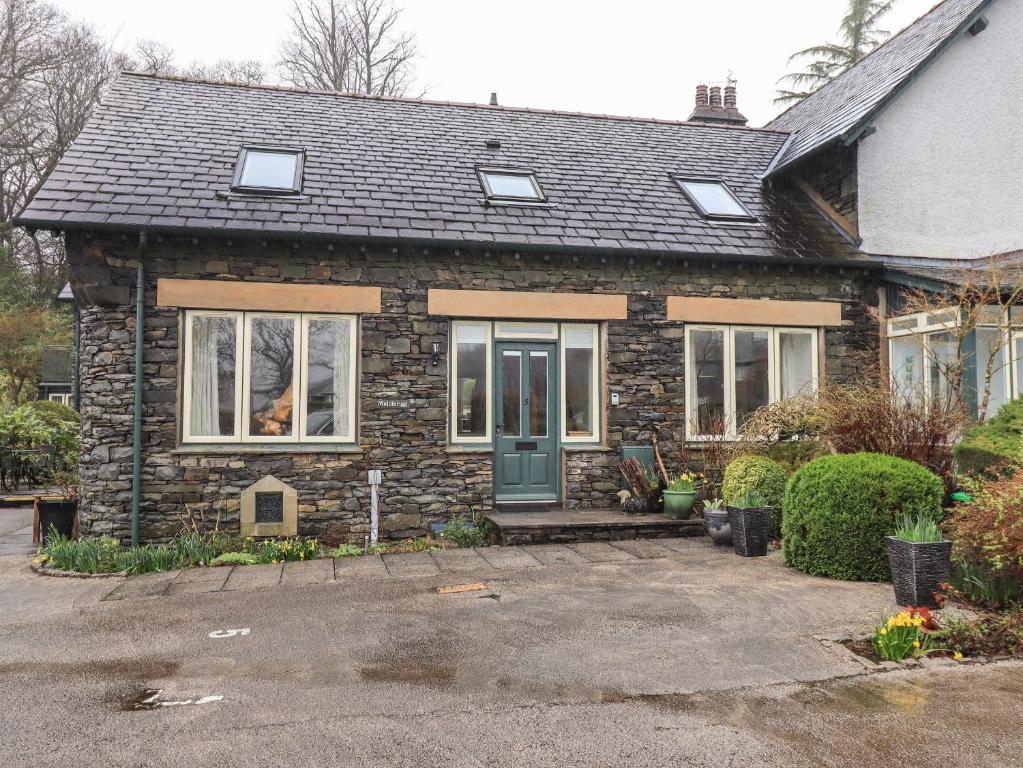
(760, 475)
(997, 441)
(347, 550)
(42, 423)
(464, 534)
(234, 558)
(838, 510)
(792, 454)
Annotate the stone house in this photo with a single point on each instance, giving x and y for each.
(480, 304)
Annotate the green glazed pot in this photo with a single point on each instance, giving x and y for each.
(678, 505)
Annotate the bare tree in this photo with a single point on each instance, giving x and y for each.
(155, 58)
(348, 45)
(977, 300)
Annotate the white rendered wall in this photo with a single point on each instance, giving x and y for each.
(943, 175)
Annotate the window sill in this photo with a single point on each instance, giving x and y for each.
(221, 449)
(469, 448)
(585, 448)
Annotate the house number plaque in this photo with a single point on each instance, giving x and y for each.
(393, 403)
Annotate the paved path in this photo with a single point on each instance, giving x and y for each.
(638, 653)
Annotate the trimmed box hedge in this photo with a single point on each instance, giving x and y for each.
(839, 509)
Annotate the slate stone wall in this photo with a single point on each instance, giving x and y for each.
(425, 479)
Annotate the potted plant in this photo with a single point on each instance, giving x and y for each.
(643, 482)
(715, 520)
(680, 495)
(631, 505)
(60, 514)
(920, 559)
(751, 525)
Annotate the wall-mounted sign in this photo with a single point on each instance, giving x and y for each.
(393, 403)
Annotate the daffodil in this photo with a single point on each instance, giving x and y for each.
(957, 656)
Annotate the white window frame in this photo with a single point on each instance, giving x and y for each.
(1015, 388)
(728, 362)
(186, 416)
(243, 362)
(595, 394)
(349, 436)
(923, 326)
(542, 331)
(488, 337)
(60, 397)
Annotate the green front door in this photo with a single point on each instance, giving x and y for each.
(526, 421)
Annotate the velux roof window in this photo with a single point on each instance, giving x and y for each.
(714, 200)
(511, 185)
(269, 171)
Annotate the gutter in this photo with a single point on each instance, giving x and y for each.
(136, 442)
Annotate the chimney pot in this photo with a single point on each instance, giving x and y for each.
(730, 96)
(493, 99)
(715, 97)
(702, 97)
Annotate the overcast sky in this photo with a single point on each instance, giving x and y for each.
(639, 57)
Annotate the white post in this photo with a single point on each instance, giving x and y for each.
(374, 504)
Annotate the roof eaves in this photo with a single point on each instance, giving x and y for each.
(863, 261)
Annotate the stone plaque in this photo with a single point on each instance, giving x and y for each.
(394, 403)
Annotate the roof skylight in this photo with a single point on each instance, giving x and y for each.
(714, 200)
(511, 185)
(269, 171)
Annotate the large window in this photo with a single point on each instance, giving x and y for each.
(269, 378)
(924, 349)
(471, 387)
(732, 371)
(268, 171)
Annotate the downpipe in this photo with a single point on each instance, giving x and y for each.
(136, 443)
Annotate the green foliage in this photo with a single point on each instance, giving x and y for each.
(234, 558)
(146, 558)
(42, 423)
(760, 475)
(346, 550)
(464, 534)
(284, 550)
(749, 500)
(839, 509)
(685, 482)
(986, 586)
(901, 636)
(714, 504)
(989, 634)
(98, 555)
(195, 548)
(792, 454)
(998, 441)
(920, 529)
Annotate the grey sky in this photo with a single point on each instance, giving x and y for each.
(641, 57)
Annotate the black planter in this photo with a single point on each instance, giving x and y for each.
(57, 514)
(918, 570)
(751, 530)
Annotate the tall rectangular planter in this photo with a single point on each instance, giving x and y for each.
(918, 570)
(751, 530)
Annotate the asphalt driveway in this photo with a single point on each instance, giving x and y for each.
(686, 655)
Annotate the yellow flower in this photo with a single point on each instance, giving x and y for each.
(957, 656)
(883, 631)
(916, 643)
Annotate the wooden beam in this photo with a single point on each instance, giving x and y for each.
(267, 297)
(705, 309)
(528, 305)
(829, 210)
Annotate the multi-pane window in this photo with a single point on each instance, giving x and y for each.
(472, 379)
(269, 377)
(732, 371)
(926, 349)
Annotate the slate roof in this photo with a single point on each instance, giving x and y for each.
(1008, 266)
(159, 153)
(839, 109)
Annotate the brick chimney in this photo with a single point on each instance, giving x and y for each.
(710, 108)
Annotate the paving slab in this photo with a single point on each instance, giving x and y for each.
(555, 554)
(196, 580)
(460, 561)
(143, 586)
(254, 577)
(359, 567)
(509, 557)
(601, 552)
(411, 565)
(644, 549)
(308, 571)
